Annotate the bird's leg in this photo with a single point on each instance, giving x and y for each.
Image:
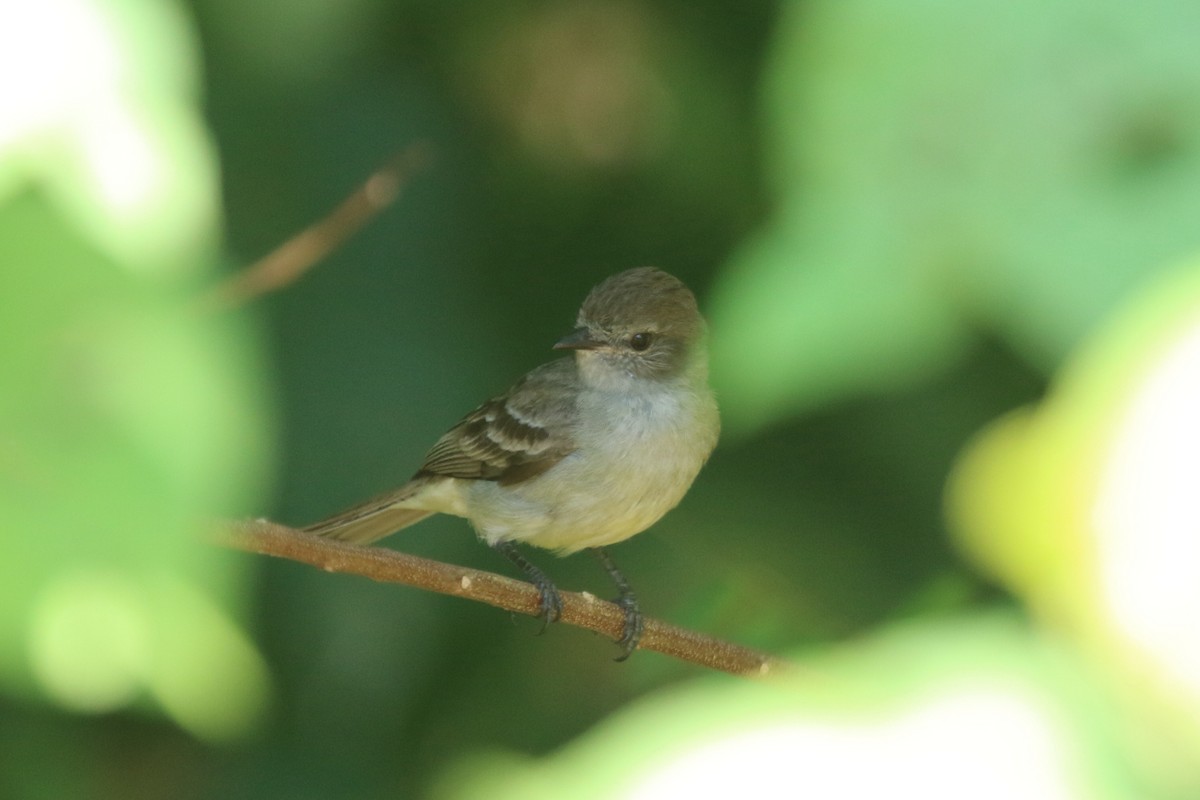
(631, 634)
(549, 601)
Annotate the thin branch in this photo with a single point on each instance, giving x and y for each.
(582, 610)
(287, 262)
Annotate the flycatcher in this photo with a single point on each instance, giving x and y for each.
(581, 452)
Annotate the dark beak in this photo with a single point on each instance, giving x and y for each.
(578, 339)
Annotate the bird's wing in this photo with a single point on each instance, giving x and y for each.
(510, 438)
(515, 436)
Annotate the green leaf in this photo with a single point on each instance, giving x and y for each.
(936, 710)
(941, 166)
(128, 419)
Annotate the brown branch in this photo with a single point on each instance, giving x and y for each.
(581, 610)
(287, 262)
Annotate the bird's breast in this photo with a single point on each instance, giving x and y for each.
(636, 457)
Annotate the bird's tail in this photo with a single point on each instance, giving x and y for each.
(372, 520)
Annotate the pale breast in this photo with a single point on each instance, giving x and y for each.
(634, 462)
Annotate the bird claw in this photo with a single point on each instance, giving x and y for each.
(635, 624)
(631, 631)
(549, 605)
(549, 600)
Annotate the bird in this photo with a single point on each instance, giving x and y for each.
(580, 453)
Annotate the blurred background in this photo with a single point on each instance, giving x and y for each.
(951, 261)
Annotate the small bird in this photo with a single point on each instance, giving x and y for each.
(582, 452)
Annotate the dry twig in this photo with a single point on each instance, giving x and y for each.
(581, 610)
(297, 255)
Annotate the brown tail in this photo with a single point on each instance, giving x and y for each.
(371, 520)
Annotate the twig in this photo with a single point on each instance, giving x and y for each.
(581, 610)
(297, 255)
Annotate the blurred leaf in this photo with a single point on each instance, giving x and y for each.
(1024, 164)
(128, 418)
(104, 120)
(978, 707)
(1086, 507)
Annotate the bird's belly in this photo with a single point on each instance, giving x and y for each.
(591, 498)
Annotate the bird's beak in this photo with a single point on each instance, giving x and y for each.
(578, 339)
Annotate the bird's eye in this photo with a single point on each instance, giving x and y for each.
(639, 341)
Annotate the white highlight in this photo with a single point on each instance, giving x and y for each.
(985, 744)
(1147, 515)
(98, 109)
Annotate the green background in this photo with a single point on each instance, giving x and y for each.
(901, 219)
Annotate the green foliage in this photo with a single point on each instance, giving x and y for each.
(962, 707)
(128, 419)
(941, 167)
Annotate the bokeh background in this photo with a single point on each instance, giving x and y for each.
(950, 253)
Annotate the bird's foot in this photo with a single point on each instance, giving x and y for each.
(549, 600)
(631, 632)
(635, 624)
